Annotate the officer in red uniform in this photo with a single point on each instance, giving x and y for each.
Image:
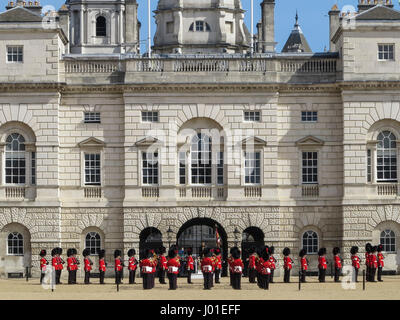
(355, 262)
(146, 267)
(154, 261)
(373, 263)
(132, 266)
(87, 265)
(338, 263)
(54, 261)
(287, 265)
(189, 265)
(322, 264)
(265, 268)
(162, 265)
(252, 265)
(303, 265)
(368, 249)
(77, 263)
(218, 264)
(381, 264)
(102, 265)
(118, 266)
(173, 265)
(43, 264)
(57, 263)
(272, 261)
(207, 267)
(71, 266)
(237, 268)
(259, 263)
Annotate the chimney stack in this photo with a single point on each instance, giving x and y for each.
(268, 25)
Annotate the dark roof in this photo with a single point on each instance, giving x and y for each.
(296, 42)
(379, 12)
(19, 14)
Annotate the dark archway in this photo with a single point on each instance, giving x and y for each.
(251, 237)
(201, 231)
(150, 238)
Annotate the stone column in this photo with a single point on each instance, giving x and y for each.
(81, 27)
(268, 27)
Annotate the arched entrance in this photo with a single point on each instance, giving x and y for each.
(150, 238)
(251, 237)
(201, 232)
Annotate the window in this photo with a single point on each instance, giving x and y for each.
(310, 242)
(93, 243)
(92, 117)
(149, 116)
(388, 240)
(15, 244)
(92, 169)
(310, 167)
(309, 116)
(101, 27)
(170, 27)
(386, 157)
(150, 168)
(182, 167)
(220, 168)
(385, 52)
(252, 167)
(229, 26)
(33, 168)
(369, 166)
(200, 26)
(201, 159)
(252, 116)
(14, 54)
(15, 166)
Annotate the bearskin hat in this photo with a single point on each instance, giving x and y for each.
(335, 251)
(251, 250)
(265, 253)
(74, 251)
(302, 252)
(322, 251)
(69, 252)
(380, 248)
(236, 254)
(59, 250)
(207, 252)
(354, 250)
(42, 253)
(368, 247)
(286, 251)
(86, 252)
(189, 251)
(148, 253)
(102, 253)
(161, 250)
(271, 249)
(53, 252)
(172, 253)
(117, 253)
(131, 252)
(217, 251)
(374, 249)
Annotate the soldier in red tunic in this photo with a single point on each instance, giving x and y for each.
(322, 264)
(87, 265)
(272, 261)
(368, 248)
(57, 263)
(77, 263)
(43, 264)
(102, 265)
(355, 262)
(162, 265)
(173, 265)
(207, 267)
(189, 265)
(237, 268)
(303, 265)
(287, 265)
(146, 267)
(252, 265)
(265, 268)
(132, 265)
(154, 261)
(218, 264)
(373, 263)
(381, 264)
(118, 266)
(259, 263)
(338, 263)
(71, 266)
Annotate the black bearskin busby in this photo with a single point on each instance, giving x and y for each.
(117, 253)
(217, 251)
(265, 253)
(102, 253)
(368, 248)
(322, 251)
(74, 251)
(335, 251)
(131, 253)
(148, 253)
(59, 251)
(286, 251)
(207, 252)
(380, 248)
(43, 253)
(69, 252)
(236, 254)
(86, 252)
(172, 253)
(354, 250)
(189, 251)
(251, 250)
(302, 253)
(54, 252)
(271, 250)
(162, 250)
(374, 249)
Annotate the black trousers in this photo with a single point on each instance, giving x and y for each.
(258, 279)
(189, 276)
(102, 274)
(286, 276)
(132, 274)
(271, 276)
(265, 281)
(231, 277)
(208, 279)
(321, 275)
(118, 276)
(161, 276)
(173, 283)
(372, 273)
(380, 273)
(236, 280)
(87, 277)
(147, 281)
(337, 274)
(303, 275)
(41, 277)
(355, 275)
(252, 275)
(368, 274)
(217, 273)
(58, 276)
(71, 276)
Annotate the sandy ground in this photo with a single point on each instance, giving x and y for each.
(19, 289)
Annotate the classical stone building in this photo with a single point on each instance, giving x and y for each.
(103, 147)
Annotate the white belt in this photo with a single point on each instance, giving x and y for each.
(147, 269)
(172, 269)
(207, 268)
(238, 269)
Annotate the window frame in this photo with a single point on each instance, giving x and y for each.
(383, 52)
(91, 117)
(255, 151)
(97, 27)
(94, 168)
(17, 54)
(100, 240)
(388, 237)
(149, 119)
(309, 114)
(252, 116)
(23, 244)
(308, 150)
(142, 168)
(377, 180)
(307, 245)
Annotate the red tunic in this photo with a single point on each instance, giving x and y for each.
(373, 262)
(190, 263)
(163, 263)
(237, 266)
(304, 264)
(71, 264)
(118, 265)
(132, 264)
(54, 263)
(272, 261)
(259, 264)
(207, 265)
(355, 261)
(173, 266)
(338, 262)
(322, 263)
(252, 262)
(265, 267)
(102, 265)
(287, 263)
(87, 264)
(60, 263)
(43, 264)
(380, 260)
(367, 262)
(146, 265)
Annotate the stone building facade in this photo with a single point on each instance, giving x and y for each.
(103, 147)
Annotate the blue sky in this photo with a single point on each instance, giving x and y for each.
(313, 18)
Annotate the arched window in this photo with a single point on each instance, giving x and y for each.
(15, 244)
(200, 26)
(93, 242)
(101, 27)
(388, 240)
(201, 168)
(310, 242)
(15, 165)
(386, 157)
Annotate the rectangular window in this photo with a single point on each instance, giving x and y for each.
(252, 167)
(92, 169)
(170, 27)
(33, 168)
(14, 54)
(199, 25)
(310, 167)
(309, 116)
(385, 52)
(150, 168)
(92, 117)
(149, 116)
(369, 166)
(15, 167)
(229, 26)
(220, 168)
(182, 168)
(252, 116)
